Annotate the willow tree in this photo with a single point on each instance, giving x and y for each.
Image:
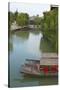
(50, 26)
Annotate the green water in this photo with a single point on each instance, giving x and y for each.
(24, 45)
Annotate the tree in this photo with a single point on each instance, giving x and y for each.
(15, 15)
(50, 27)
(10, 19)
(22, 19)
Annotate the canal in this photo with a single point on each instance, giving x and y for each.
(23, 45)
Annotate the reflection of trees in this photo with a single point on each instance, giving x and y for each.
(45, 46)
(36, 32)
(10, 46)
(27, 78)
(48, 81)
(23, 34)
(41, 80)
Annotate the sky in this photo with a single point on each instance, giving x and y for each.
(31, 8)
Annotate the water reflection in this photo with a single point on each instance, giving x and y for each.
(10, 47)
(25, 44)
(23, 34)
(45, 46)
(33, 45)
(38, 81)
(36, 32)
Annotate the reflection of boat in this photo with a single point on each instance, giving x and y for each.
(44, 67)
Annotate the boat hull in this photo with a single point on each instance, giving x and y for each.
(39, 74)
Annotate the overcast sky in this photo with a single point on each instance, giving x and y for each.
(30, 8)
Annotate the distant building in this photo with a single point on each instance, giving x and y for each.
(31, 20)
(54, 7)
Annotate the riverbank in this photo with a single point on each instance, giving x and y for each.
(26, 29)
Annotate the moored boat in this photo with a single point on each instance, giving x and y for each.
(38, 68)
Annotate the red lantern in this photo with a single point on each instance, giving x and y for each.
(54, 68)
(45, 69)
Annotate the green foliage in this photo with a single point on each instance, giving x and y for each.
(22, 19)
(11, 16)
(50, 27)
(11, 19)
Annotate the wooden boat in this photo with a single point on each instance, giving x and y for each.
(31, 70)
(45, 67)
